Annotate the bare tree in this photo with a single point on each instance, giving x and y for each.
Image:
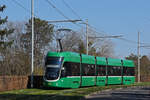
(69, 39)
(106, 49)
(16, 61)
(99, 46)
(19, 30)
(76, 42)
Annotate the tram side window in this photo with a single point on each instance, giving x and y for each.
(75, 69)
(128, 71)
(101, 70)
(72, 69)
(117, 71)
(114, 71)
(110, 71)
(88, 70)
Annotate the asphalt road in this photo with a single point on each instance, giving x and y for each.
(135, 93)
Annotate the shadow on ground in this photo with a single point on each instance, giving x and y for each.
(38, 97)
(138, 94)
(123, 96)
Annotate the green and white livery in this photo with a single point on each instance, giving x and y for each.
(74, 70)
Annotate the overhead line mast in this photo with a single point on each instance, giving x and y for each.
(32, 64)
(138, 52)
(87, 40)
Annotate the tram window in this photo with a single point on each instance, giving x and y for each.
(84, 70)
(72, 69)
(92, 70)
(128, 71)
(110, 71)
(75, 69)
(114, 71)
(67, 71)
(132, 72)
(101, 70)
(88, 70)
(117, 71)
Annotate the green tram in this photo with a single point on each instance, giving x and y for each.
(74, 70)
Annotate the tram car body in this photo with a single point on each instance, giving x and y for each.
(74, 70)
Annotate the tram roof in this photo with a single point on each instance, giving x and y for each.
(88, 59)
(114, 62)
(68, 56)
(101, 60)
(128, 63)
(75, 57)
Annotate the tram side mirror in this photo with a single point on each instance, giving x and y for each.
(63, 72)
(63, 68)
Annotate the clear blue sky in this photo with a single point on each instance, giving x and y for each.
(112, 16)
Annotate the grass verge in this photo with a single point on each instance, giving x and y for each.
(65, 94)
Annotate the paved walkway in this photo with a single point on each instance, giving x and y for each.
(136, 93)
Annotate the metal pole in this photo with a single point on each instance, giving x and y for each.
(87, 42)
(32, 65)
(138, 51)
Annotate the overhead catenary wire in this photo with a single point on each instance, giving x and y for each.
(121, 38)
(146, 47)
(76, 14)
(72, 10)
(127, 40)
(27, 10)
(95, 30)
(124, 39)
(61, 13)
(16, 2)
(20, 5)
(131, 41)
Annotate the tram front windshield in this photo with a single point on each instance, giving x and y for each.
(52, 65)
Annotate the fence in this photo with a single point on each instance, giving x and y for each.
(18, 82)
(145, 78)
(13, 82)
